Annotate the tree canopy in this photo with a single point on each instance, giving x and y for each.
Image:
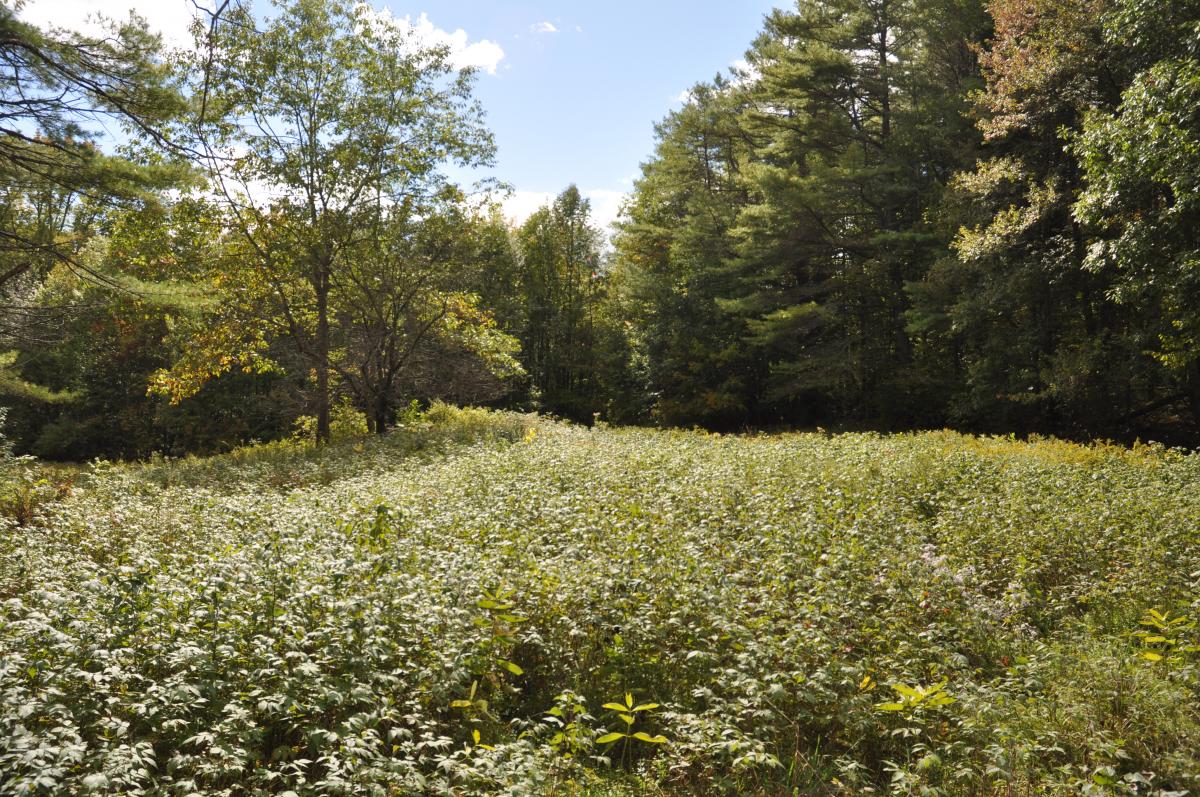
(896, 214)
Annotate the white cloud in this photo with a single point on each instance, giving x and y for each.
(520, 205)
(544, 27)
(171, 18)
(743, 72)
(606, 205)
(483, 54)
(684, 97)
(579, 29)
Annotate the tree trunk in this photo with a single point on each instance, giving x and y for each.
(382, 411)
(1191, 387)
(885, 100)
(321, 286)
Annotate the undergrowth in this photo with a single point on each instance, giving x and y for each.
(483, 603)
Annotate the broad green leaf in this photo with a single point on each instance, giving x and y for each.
(645, 737)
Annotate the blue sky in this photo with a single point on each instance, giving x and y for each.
(578, 104)
(571, 89)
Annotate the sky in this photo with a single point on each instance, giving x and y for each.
(572, 88)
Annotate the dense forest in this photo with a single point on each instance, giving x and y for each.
(898, 214)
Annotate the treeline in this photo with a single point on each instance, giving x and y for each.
(274, 250)
(930, 212)
(899, 213)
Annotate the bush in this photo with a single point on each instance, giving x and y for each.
(25, 485)
(345, 423)
(486, 604)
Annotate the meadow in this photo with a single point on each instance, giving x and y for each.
(486, 603)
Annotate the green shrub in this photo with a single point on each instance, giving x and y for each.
(471, 604)
(25, 485)
(345, 423)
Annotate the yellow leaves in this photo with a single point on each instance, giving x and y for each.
(1169, 638)
(209, 353)
(1008, 224)
(989, 176)
(628, 714)
(911, 699)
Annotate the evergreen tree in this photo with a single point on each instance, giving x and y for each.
(672, 253)
(58, 92)
(856, 119)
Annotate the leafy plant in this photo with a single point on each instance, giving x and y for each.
(1165, 641)
(629, 714)
(913, 700)
(347, 630)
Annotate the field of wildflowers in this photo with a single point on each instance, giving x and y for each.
(485, 603)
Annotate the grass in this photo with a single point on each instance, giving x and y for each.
(448, 610)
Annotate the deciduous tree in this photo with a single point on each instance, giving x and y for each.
(315, 123)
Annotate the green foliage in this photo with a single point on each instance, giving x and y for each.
(929, 212)
(288, 617)
(23, 492)
(915, 699)
(345, 423)
(1139, 161)
(344, 121)
(26, 487)
(574, 351)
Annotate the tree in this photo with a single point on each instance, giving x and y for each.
(561, 277)
(404, 294)
(58, 90)
(312, 128)
(857, 124)
(673, 250)
(1039, 344)
(787, 211)
(1140, 165)
(91, 350)
(60, 93)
